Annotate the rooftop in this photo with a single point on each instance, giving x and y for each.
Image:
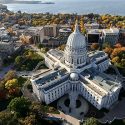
(100, 79)
(56, 53)
(96, 55)
(46, 79)
(111, 30)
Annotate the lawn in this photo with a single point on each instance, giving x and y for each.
(49, 109)
(28, 61)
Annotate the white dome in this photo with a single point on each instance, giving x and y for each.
(76, 39)
(75, 50)
(74, 76)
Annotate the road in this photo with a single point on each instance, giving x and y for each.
(28, 74)
(4, 70)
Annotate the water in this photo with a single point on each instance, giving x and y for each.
(114, 7)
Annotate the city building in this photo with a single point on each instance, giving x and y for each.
(94, 35)
(122, 36)
(78, 71)
(39, 34)
(36, 33)
(109, 36)
(91, 26)
(52, 42)
(65, 32)
(7, 47)
(50, 30)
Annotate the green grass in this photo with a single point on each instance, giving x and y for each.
(31, 59)
(21, 81)
(49, 109)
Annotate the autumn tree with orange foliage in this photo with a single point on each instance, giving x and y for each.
(116, 54)
(108, 50)
(25, 39)
(116, 51)
(118, 45)
(94, 46)
(11, 32)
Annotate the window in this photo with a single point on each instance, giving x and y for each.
(77, 61)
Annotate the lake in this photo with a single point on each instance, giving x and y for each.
(114, 7)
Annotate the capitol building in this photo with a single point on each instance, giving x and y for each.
(77, 72)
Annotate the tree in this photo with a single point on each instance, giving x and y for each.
(2, 90)
(91, 121)
(40, 46)
(106, 44)
(95, 46)
(13, 83)
(62, 47)
(25, 39)
(2, 94)
(19, 105)
(11, 32)
(118, 45)
(10, 75)
(115, 52)
(29, 120)
(115, 60)
(44, 50)
(108, 50)
(123, 62)
(37, 109)
(18, 59)
(13, 87)
(5, 117)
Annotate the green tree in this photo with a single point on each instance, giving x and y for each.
(18, 59)
(91, 121)
(37, 109)
(40, 46)
(5, 117)
(10, 75)
(29, 120)
(19, 105)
